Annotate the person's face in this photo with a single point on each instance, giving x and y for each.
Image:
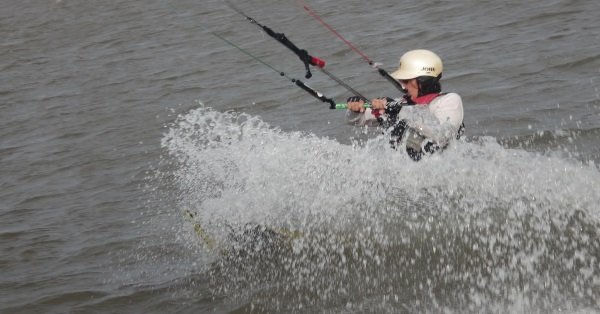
(412, 87)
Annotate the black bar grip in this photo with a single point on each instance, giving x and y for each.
(315, 94)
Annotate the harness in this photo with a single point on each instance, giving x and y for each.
(414, 140)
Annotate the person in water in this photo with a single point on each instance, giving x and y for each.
(431, 118)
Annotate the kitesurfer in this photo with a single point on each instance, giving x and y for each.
(432, 118)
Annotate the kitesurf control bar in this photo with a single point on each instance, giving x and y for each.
(345, 106)
(299, 83)
(301, 53)
(381, 71)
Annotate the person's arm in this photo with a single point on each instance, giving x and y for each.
(449, 108)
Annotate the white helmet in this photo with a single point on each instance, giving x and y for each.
(417, 63)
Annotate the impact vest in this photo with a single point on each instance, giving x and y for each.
(417, 145)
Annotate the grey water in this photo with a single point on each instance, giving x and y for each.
(118, 115)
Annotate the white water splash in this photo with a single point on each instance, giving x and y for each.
(511, 224)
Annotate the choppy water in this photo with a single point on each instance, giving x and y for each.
(116, 116)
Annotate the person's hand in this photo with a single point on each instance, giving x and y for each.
(356, 104)
(379, 103)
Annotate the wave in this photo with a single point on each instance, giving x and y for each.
(480, 227)
(568, 143)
